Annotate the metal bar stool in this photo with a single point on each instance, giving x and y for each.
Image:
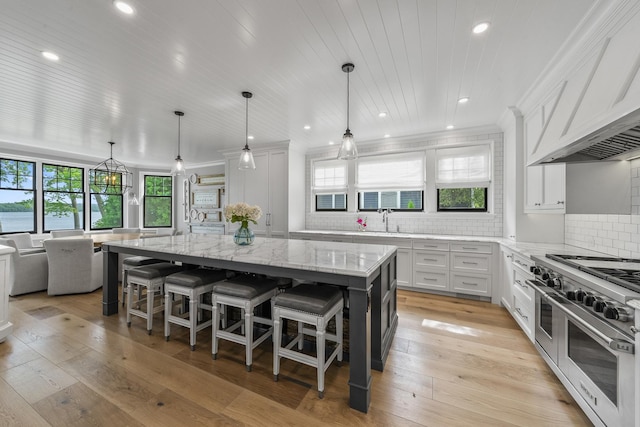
(193, 284)
(132, 262)
(314, 305)
(246, 293)
(150, 277)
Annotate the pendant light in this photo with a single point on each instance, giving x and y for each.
(178, 168)
(246, 157)
(348, 149)
(110, 176)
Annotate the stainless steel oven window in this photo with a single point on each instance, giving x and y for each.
(546, 318)
(596, 361)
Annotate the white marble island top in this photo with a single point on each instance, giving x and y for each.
(350, 259)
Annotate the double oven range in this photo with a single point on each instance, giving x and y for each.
(586, 331)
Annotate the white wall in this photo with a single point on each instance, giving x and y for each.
(471, 224)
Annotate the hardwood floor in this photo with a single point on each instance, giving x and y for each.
(454, 362)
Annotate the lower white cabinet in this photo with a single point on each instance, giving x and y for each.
(523, 303)
(5, 264)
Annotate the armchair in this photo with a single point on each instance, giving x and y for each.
(73, 266)
(29, 271)
(66, 233)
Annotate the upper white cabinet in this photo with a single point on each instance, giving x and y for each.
(545, 188)
(596, 85)
(268, 186)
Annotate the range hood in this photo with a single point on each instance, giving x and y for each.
(619, 140)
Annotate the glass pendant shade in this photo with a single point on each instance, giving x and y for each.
(246, 157)
(133, 200)
(348, 149)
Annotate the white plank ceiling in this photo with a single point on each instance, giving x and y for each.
(120, 77)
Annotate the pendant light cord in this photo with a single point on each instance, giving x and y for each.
(246, 129)
(348, 73)
(179, 117)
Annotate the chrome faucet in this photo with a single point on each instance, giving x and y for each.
(385, 218)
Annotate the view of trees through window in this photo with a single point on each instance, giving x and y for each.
(157, 201)
(462, 199)
(405, 200)
(63, 196)
(17, 196)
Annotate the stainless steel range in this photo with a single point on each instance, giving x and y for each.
(585, 330)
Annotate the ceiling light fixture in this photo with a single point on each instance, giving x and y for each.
(50, 56)
(110, 176)
(386, 135)
(348, 149)
(178, 168)
(133, 200)
(480, 28)
(463, 100)
(382, 114)
(307, 127)
(246, 157)
(450, 127)
(123, 7)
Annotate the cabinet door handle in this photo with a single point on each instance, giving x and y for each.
(521, 284)
(469, 262)
(430, 279)
(470, 283)
(268, 222)
(429, 259)
(560, 202)
(469, 249)
(521, 314)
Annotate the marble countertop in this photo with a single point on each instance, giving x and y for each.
(525, 248)
(350, 259)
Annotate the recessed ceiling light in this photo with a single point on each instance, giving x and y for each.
(123, 7)
(450, 126)
(480, 28)
(331, 142)
(386, 135)
(463, 100)
(50, 56)
(307, 127)
(382, 114)
(250, 137)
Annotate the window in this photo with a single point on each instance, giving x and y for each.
(17, 196)
(393, 181)
(158, 201)
(330, 185)
(63, 197)
(106, 211)
(463, 175)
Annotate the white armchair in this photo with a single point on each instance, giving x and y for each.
(73, 266)
(66, 233)
(29, 271)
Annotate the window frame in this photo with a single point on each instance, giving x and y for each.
(361, 209)
(33, 190)
(334, 190)
(441, 209)
(346, 202)
(82, 214)
(145, 196)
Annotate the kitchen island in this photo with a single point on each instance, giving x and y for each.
(367, 271)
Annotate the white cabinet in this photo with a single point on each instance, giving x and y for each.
(404, 273)
(5, 265)
(523, 303)
(265, 186)
(545, 188)
(471, 268)
(431, 266)
(507, 276)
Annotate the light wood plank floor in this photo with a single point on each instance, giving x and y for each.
(454, 362)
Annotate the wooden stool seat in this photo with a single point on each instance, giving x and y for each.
(308, 304)
(246, 293)
(150, 277)
(193, 284)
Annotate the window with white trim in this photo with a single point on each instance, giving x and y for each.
(463, 176)
(330, 185)
(391, 181)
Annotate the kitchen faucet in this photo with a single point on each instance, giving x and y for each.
(385, 217)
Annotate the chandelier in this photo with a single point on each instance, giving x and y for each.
(110, 176)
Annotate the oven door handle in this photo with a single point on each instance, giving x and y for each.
(614, 344)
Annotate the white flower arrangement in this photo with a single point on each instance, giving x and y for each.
(242, 212)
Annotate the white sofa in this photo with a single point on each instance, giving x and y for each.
(29, 270)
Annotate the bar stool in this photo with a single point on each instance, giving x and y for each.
(151, 277)
(193, 284)
(246, 293)
(308, 304)
(133, 262)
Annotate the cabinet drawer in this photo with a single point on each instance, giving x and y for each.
(474, 284)
(519, 285)
(431, 259)
(432, 245)
(431, 279)
(523, 313)
(466, 262)
(524, 264)
(475, 247)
